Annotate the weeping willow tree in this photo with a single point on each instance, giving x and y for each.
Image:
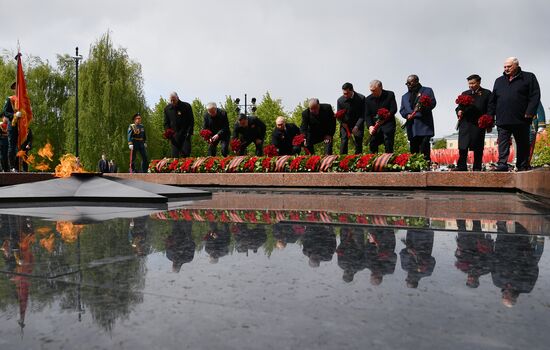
(110, 93)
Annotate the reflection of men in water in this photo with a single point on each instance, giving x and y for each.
(8, 241)
(137, 235)
(516, 267)
(350, 252)
(248, 237)
(416, 257)
(180, 247)
(217, 241)
(287, 233)
(319, 244)
(474, 252)
(380, 254)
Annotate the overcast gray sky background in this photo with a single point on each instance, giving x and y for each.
(295, 48)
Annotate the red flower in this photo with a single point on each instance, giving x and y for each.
(174, 165)
(186, 215)
(224, 217)
(206, 134)
(340, 114)
(344, 163)
(364, 161)
(266, 164)
(311, 216)
(402, 159)
(425, 101)
(224, 162)
(486, 122)
(235, 145)
(295, 163)
(342, 218)
(298, 140)
(312, 163)
(168, 133)
(294, 216)
(210, 216)
(270, 151)
(250, 216)
(464, 100)
(187, 164)
(266, 217)
(250, 164)
(362, 220)
(209, 164)
(383, 113)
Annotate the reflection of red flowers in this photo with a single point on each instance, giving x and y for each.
(168, 133)
(224, 217)
(364, 161)
(209, 164)
(298, 140)
(311, 216)
(340, 114)
(186, 215)
(464, 100)
(206, 134)
(294, 216)
(173, 214)
(342, 218)
(362, 220)
(295, 163)
(486, 122)
(235, 145)
(312, 163)
(210, 216)
(250, 164)
(174, 165)
(266, 163)
(270, 151)
(266, 217)
(250, 216)
(402, 159)
(298, 229)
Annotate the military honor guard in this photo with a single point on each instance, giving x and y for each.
(137, 143)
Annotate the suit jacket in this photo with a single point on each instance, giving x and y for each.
(355, 107)
(386, 100)
(180, 119)
(255, 130)
(469, 134)
(219, 125)
(423, 122)
(282, 139)
(316, 127)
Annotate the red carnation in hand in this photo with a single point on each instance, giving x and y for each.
(270, 151)
(425, 101)
(486, 122)
(383, 113)
(206, 134)
(340, 114)
(235, 145)
(168, 133)
(298, 140)
(464, 100)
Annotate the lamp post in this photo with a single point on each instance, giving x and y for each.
(248, 109)
(76, 59)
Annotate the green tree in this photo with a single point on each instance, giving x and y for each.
(296, 115)
(231, 108)
(268, 110)
(158, 147)
(440, 144)
(198, 147)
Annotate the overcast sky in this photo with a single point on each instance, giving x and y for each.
(296, 48)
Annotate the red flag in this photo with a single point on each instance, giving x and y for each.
(22, 103)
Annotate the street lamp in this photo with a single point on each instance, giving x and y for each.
(76, 59)
(248, 109)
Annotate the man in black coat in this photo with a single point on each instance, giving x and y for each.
(515, 98)
(103, 164)
(215, 120)
(380, 253)
(354, 118)
(250, 129)
(282, 137)
(380, 98)
(318, 125)
(416, 257)
(474, 252)
(470, 135)
(178, 116)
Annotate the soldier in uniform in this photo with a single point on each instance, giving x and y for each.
(137, 143)
(283, 135)
(470, 135)
(215, 120)
(13, 116)
(4, 163)
(354, 120)
(318, 125)
(250, 129)
(178, 116)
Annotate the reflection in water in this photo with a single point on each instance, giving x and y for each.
(351, 252)
(416, 257)
(248, 237)
(217, 240)
(285, 233)
(179, 245)
(474, 252)
(380, 254)
(319, 244)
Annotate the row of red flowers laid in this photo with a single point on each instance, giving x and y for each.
(274, 216)
(312, 163)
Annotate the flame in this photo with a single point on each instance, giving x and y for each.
(43, 230)
(30, 159)
(46, 151)
(69, 232)
(68, 164)
(48, 243)
(42, 166)
(21, 154)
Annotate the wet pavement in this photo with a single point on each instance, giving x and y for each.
(213, 275)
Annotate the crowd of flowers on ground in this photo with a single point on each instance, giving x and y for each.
(301, 163)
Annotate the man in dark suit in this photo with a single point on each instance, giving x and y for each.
(178, 116)
(282, 137)
(250, 129)
(514, 102)
(103, 164)
(380, 98)
(215, 120)
(318, 125)
(470, 135)
(354, 118)
(420, 121)
(416, 257)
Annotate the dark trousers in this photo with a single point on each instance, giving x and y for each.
(461, 164)
(521, 135)
(24, 165)
(259, 148)
(182, 149)
(139, 147)
(4, 154)
(386, 138)
(214, 145)
(357, 140)
(12, 148)
(311, 145)
(421, 144)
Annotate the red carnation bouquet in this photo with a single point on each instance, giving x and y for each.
(422, 101)
(206, 134)
(270, 151)
(168, 133)
(382, 116)
(235, 145)
(298, 141)
(464, 100)
(340, 115)
(486, 122)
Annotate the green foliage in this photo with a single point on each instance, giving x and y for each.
(198, 147)
(296, 115)
(268, 110)
(231, 108)
(440, 144)
(157, 146)
(541, 153)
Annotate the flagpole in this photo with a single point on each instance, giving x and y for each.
(77, 59)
